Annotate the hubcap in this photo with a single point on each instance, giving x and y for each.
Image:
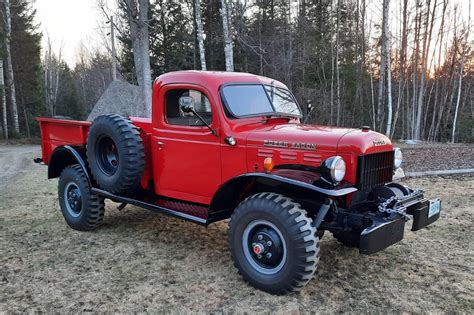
(73, 199)
(258, 248)
(264, 246)
(107, 155)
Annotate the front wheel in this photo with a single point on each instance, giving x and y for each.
(273, 244)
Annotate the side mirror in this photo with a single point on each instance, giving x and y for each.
(186, 103)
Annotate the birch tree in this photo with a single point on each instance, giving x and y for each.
(383, 63)
(389, 67)
(52, 69)
(425, 52)
(402, 65)
(453, 134)
(388, 131)
(10, 74)
(338, 78)
(227, 32)
(137, 14)
(4, 102)
(437, 72)
(464, 51)
(200, 34)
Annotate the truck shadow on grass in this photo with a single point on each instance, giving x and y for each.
(180, 238)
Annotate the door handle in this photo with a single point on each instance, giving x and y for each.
(160, 145)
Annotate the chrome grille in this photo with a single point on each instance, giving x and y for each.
(374, 170)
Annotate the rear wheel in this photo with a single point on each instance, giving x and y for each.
(273, 244)
(82, 209)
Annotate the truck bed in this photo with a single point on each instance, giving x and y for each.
(58, 132)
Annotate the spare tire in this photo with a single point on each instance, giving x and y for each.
(115, 153)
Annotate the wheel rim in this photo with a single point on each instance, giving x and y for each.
(73, 199)
(264, 247)
(107, 155)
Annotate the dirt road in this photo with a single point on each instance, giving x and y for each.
(13, 161)
(140, 261)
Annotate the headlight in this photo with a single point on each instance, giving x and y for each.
(397, 162)
(333, 169)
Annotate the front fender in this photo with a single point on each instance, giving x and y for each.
(232, 192)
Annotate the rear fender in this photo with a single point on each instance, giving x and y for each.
(64, 156)
(231, 193)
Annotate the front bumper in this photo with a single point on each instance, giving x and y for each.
(387, 231)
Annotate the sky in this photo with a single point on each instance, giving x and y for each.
(68, 22)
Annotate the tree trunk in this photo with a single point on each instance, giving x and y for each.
(137, 13)
(112, 43)
(457, 102)
(200, 34)
(331, 111)
(372, 99)
(228, 49)
(416, 42)
(383, 64)
(338, 80)
(56, 79)
(401, 81)
(440, 43)
(4, 102)
(10, 75)
(25, 114)
(145, 43)
(426, 48)
(389, 68)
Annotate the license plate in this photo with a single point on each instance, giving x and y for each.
(435, 206)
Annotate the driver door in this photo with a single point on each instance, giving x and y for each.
(186, 154)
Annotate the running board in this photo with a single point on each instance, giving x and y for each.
(150, 206)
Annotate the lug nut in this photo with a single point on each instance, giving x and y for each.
(260, 237)
(269, 255)
(269, 243)
(259, 256)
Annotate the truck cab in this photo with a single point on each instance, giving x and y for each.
(225, 145)
(237, 108)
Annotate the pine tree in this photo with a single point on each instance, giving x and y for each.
(26, 60)
(172, 41)
(25, 50)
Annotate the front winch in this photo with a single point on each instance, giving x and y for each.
(399, 204)
(395, 199)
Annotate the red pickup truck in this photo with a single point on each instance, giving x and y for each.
(225, 145)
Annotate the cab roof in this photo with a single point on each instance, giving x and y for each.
(212, 79)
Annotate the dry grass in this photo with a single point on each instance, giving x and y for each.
(139, 261)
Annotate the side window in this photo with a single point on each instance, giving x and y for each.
(175, 116)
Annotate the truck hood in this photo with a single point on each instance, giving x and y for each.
(324, 138)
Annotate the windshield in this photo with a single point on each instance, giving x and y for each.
(259, 100)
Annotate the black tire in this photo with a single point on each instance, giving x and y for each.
(347, 238)
(269, 216)
(115, 153)
(81, 209)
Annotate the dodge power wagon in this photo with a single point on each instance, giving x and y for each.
(225, 145)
